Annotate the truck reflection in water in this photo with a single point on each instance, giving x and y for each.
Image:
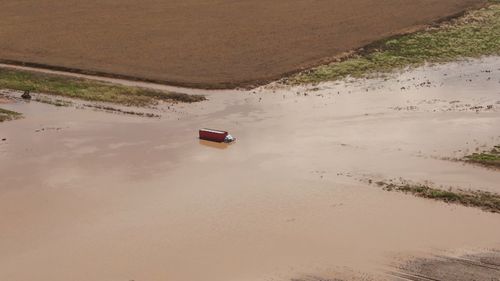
(217, 145)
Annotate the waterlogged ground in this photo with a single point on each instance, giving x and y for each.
(91, 195)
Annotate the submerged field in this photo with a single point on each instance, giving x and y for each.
(203, 43)
(89, 195)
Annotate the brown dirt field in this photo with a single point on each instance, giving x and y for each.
(199, 43)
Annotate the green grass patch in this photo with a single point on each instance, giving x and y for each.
(486, 201)
(487, 158)
(87, 89)
(475, 34)
(7, 115)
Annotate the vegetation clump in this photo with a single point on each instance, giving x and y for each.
(473, 35)
(487, 158)
(7, 115)
(484, 200)
(88, 90)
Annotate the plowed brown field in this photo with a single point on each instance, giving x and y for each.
(203, 43)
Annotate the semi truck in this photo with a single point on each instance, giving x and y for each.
(216, 136)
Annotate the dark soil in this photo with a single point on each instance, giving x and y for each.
(209, 44)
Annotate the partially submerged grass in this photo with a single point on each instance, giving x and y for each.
(7, 115)
(487, 158)
(486, 201)
(55, 102)
(475, 34)
(87, 89)
(122, 111)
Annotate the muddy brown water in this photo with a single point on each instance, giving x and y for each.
(99, 196)
(204, 43)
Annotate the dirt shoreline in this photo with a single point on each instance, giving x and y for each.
(252, 58)
(475, 266)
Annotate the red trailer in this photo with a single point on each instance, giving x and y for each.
(215, 135)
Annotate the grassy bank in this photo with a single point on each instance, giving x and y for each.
(7, 115)
(473, 35)
(487, 158)
(87, 89)
(474, 198)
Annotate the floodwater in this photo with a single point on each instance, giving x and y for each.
(89, 195)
